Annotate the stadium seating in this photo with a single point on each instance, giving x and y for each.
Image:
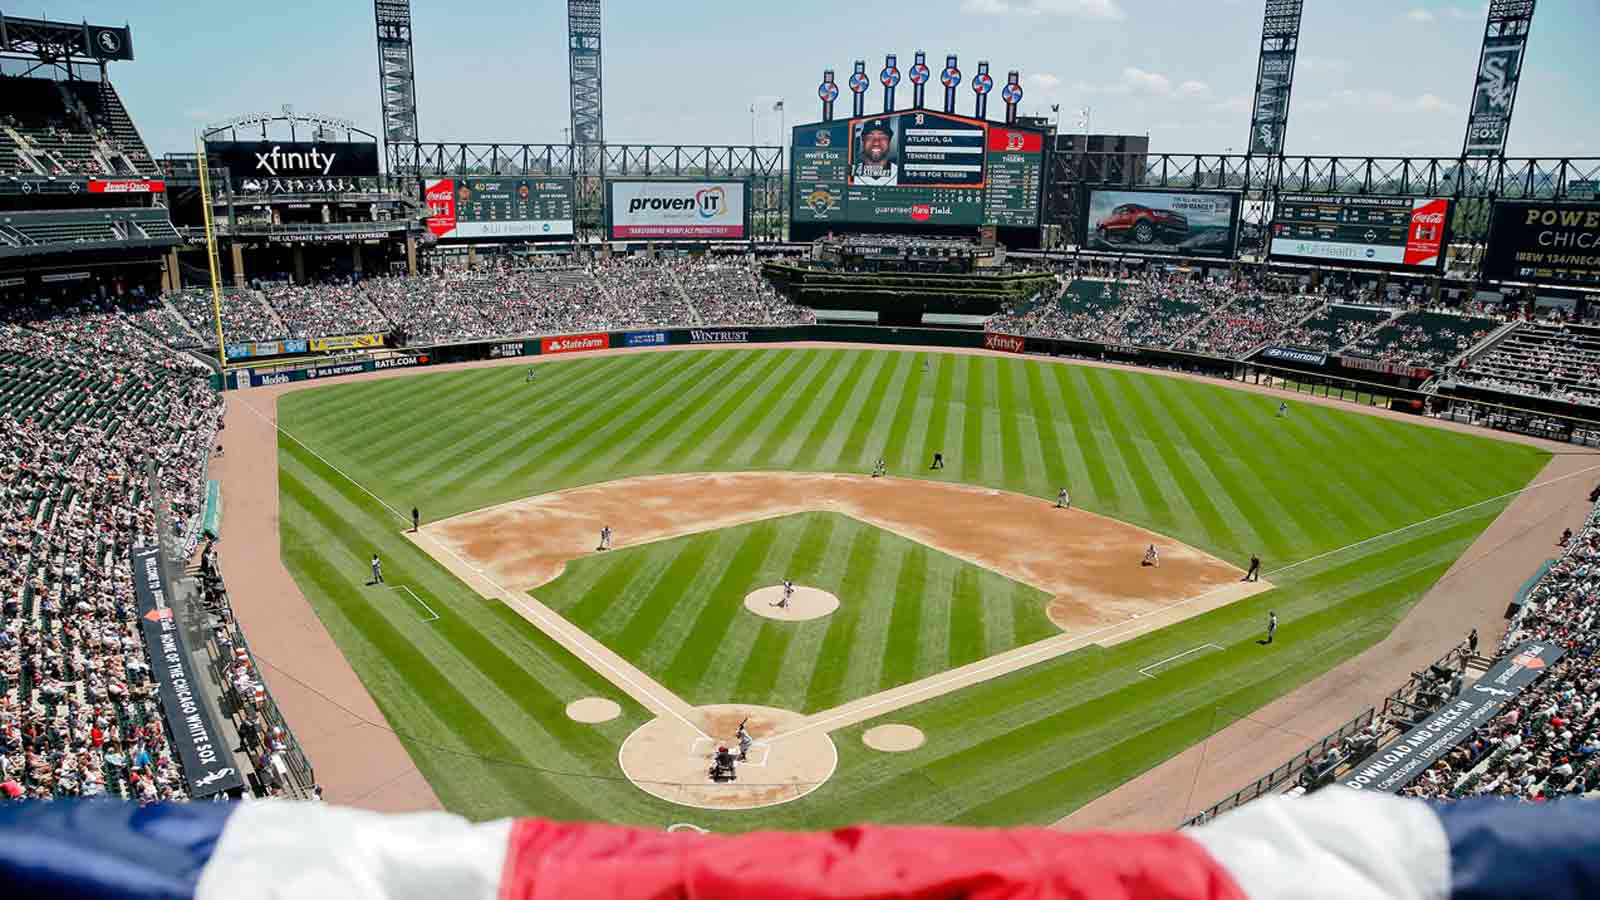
(730, 293)
(244, 316)
(1335, 327)
(1254, 318)
(1423, 338)
(68, 128)
(324, 310)
(1560, 362)
(85, 398)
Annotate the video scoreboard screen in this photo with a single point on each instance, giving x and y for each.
(1390, 232)
(487, 208)
(916, 167)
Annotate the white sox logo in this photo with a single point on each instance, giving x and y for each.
(214, 777)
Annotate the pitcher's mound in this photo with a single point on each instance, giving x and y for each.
(593, 710)
(807, 603)
(671, 758)
(893, 738)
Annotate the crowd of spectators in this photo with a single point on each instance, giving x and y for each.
(79, 714)
(732, 293)
(324, 310)
(1546, 743)
(1255, 317)
(1425, 338)
(1335, 326)
(244, 316)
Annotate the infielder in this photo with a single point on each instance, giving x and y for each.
(1063, 501)
(377, 569)
(605, 538)
(1151, 557)
(879, 469)
(1283, 408)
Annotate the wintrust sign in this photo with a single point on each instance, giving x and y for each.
(574, 343)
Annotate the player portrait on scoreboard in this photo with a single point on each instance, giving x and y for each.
(463, 194)
(876, 154)
(522, 191)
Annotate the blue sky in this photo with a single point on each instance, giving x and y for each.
(1373, 78)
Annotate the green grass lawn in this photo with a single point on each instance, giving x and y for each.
(676, 610)
(478, 695)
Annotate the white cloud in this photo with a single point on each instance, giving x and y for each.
(1419, 15)
(1383, 101)
(1079, 9)
(1194, 90)
(1044, 81)
(1149, 82)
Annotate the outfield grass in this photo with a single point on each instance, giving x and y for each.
(478, 695)
(675, 609)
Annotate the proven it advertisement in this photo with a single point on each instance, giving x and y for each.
(676, 210)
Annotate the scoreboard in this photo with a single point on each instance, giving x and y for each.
(498, 207)
(1392, 232)
(916, 167)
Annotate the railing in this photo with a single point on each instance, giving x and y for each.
(1290, 772)
(223, 645)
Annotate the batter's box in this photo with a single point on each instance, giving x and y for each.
(704, 747)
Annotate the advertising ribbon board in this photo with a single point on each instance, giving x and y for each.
(1400, 762)
(1010, 343)
(346, 342)
(207, 764)
(575, 343)
(1290, 354)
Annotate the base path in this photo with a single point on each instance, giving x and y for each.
(671, 759)
(1088, 562)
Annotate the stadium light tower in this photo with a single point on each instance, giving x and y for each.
(397, 82)
(583, 48)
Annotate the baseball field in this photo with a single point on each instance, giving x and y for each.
(1036, 661)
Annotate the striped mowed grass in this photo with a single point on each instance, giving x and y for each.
(477, 696)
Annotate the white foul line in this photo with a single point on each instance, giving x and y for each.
(401, 587)
(1146, 673)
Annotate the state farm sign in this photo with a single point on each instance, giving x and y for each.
(574, 343)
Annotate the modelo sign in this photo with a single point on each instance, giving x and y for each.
(676, 210)
(293, 159)
(1544, 243)
(574, 343)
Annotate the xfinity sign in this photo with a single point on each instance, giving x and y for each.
(293, 159)
(677, 210)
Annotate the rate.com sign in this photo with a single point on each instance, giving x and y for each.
(676, 210)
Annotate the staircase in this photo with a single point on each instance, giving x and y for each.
(182, 322)
(117, 121)
(694, 311)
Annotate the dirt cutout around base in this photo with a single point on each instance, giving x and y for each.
(670, 758)
(807, 603)
(1088, 562)
(894, 738)
(593, 710)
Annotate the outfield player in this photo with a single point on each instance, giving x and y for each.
(938, 461)
(377, 569)
(1272, 626)
(1283, 408)
(529, 379)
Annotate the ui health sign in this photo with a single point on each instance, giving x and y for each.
(1544, 243)
(1360, 230)
(677, 210)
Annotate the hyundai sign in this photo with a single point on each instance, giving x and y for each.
(676, 210)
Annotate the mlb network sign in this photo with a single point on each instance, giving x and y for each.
(677, 210)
